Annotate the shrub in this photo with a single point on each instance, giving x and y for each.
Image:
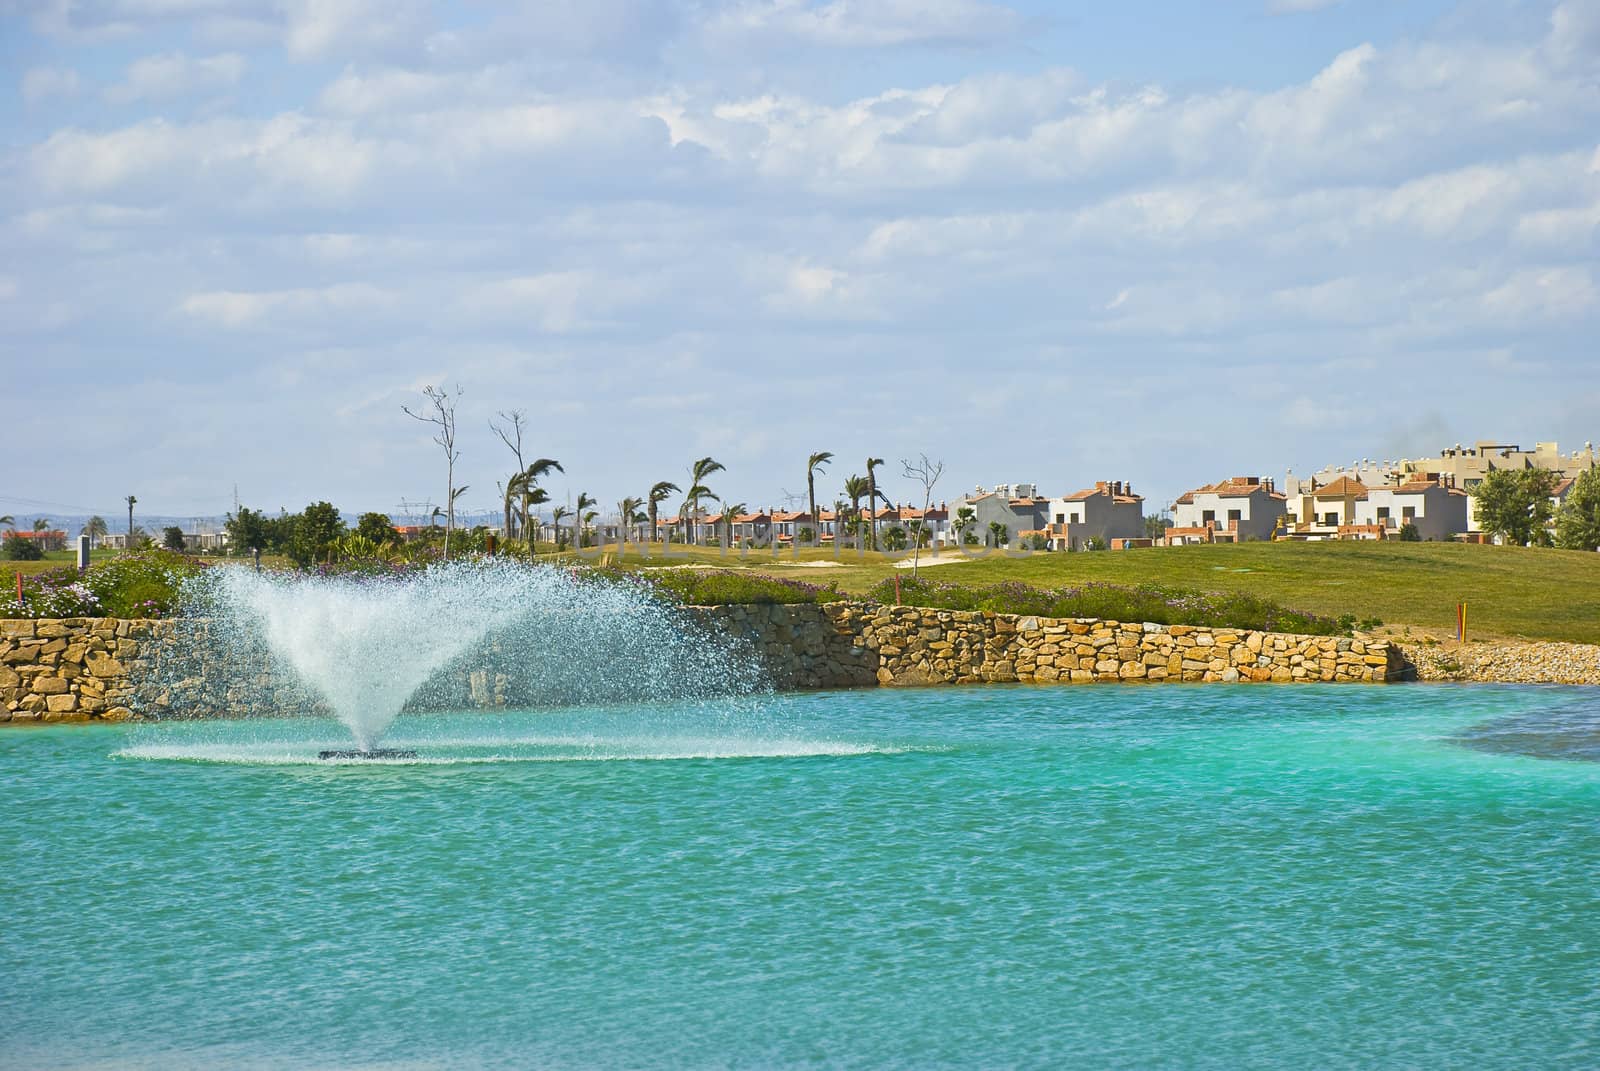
(700, 587)
(1162, 606)
(144, 583)
(1409, 533)
(14, 548)
(56, 593)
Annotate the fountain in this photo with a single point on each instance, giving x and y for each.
(364, 648)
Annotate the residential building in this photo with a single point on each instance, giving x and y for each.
(1234, 510)
(44, 538)
(1108, 510)
(1319, 511)
(1015, 508)
(1467, 466)
(1434, 506)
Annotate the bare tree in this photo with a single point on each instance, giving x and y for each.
(442, 415)
(926, 473)
(511, 434)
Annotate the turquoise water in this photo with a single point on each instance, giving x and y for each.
(1088, 877)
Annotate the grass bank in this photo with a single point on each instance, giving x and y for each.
(1511, 592)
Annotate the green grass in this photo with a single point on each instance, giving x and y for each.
(1510, 591)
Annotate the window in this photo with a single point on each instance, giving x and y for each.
(1409, 513)
(1383, 513)
(1208, 516)
(1331, 520)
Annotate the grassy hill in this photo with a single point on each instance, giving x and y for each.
(1509, 591)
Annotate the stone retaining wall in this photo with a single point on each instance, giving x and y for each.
(69, 670)
(83, 669)
(917, 646)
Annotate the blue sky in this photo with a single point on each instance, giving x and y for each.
(1157, 242)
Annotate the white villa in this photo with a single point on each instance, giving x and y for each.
(1437, 509)
(1234, 510)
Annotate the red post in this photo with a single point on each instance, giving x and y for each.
(19, 589)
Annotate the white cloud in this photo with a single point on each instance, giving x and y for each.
(236, 309)
(41, 83)
(1295, 7)
(867, 23)
(174, 74)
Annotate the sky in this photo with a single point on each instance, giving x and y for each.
(1056, 243)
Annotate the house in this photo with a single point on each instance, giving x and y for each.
(1013, 508)
(742, 527)
(1318, 512)
(935, 520)
(1428, 501)
(1235, 510)
(45, 539)
(1108, 510)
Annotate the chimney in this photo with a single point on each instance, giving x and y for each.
(1100, 485)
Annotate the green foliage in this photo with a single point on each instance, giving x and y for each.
(377, 528)
(1096, 543)
(1155, 526)
(143, 583)
(1516, 505)
(251, 530)
(1164, 606)
(1409, 533)
(701, 587)
(1578, 522)
(315, 531)
(1038, 542)
(807, 536)
(14, 548)
(172, 537)
(894, 538)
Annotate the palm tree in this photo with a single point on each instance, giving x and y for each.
(8, 520)
(658, 494)
(538, 496)
(41, 523)
(557, 515)
(998, 531)
(698, 490)
(872, 501)
(525, 485)
(586, 501)
(729, 512)
(856, 487)
(94, 529)
(132, 501)
(966, 517)
(628, 510)
(450, 519)
(818, 460)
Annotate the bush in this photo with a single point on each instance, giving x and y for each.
(144, 583)
(14, 548)
(1161, 606)
(1409, 533)
(699, 587)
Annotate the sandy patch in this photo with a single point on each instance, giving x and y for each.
(927, 563)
